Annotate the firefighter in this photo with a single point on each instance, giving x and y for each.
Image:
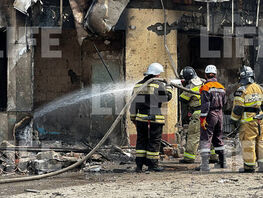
(247, 103)
(145, 112)
(211, 118)
(194, 83)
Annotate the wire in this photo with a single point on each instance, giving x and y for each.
(165, 43)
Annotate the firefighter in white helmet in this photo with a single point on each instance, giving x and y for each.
(213, 98)
(146, 114)
(193, 101)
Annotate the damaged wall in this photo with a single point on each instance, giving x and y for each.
(227, 67)
(52, 76)
(79, 67)
(143, 47)
(19, 61)
(55, 77)
(20, 80)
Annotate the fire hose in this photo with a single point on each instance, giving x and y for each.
(108, 133)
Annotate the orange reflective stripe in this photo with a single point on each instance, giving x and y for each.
(210, 85)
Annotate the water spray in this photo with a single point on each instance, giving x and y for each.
(101, 142)
(122, 113)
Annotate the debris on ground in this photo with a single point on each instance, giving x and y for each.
(96, 168)
(107, 159)
(32, 190)
(23, 162)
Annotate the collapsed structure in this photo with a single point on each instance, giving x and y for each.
(47, 50)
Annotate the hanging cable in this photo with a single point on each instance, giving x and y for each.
(165, 43)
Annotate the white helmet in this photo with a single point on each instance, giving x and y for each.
(154, 69)
(210, 69)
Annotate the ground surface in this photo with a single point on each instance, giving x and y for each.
(176, 181)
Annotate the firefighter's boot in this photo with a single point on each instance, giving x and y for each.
(156, 169)
(260, 167)
(222, 160)
(138, 169)
(187, 161)
(139, 162)
(153, 166)
(204, 163)
(247, 169)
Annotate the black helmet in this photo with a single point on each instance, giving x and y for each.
(246, 75)
(188, 73)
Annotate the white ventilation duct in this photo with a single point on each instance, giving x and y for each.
(103, 15)
(78, 7)
(23, 5)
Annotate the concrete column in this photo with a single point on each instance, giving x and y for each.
(143, 47)
(19, 74)
(20, 70)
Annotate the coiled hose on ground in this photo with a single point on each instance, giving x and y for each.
(111, 129)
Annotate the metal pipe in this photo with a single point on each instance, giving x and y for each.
(61, 13)
(165, 43)
(258, 9)
(233, 17)
(38, 149)
(102, 60)
(107, 8)
(208, 17)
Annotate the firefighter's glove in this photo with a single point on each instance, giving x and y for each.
(203, 123)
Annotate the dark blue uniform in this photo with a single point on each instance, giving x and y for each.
(146, 112)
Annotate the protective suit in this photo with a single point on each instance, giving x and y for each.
(145, 112)
(213, 98)
(194, 83)
(247, 103)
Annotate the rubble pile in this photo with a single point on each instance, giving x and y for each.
(37, 163)
(31, 163)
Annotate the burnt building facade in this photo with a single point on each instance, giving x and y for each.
(47, 52)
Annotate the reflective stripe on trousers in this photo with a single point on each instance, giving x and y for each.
(140, 153)
(152, 155)
(188, 155)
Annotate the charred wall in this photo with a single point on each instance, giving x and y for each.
(227, 67)
(52, 76)
(79, 68)
(19, 69)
